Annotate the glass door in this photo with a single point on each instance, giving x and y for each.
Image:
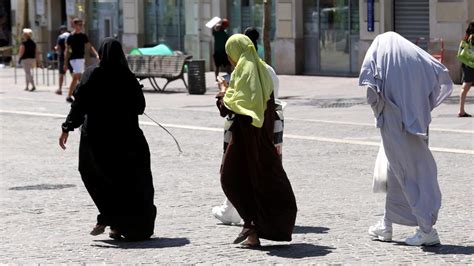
(331, 32)
(334, 36)
(311, 36)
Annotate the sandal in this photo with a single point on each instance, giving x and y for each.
(464, 115)
(244, 234)
(98, 229)
(115, 234)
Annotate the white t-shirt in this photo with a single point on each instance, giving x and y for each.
(276, 82)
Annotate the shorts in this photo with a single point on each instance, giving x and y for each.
(61, 67)
(220, 59)
(467, 74)
(77, 65)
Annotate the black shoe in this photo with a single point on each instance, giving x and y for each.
(69, 99)
(26, 89)
(464, 115)
(33, 89)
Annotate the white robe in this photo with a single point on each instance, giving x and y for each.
(405, 84)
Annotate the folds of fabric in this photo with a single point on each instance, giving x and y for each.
(254, 180)
(413, 194)
(251, 85)
(118, 178)
(404, 85)
(114, 157)
(408, 76)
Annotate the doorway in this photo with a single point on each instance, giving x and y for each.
(331, 36)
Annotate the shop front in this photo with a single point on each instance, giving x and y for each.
(331, 37)
(165, 23)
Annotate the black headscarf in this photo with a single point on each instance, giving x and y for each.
(111, 55)
(253, 35)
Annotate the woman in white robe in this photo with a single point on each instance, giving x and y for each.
(405, 84)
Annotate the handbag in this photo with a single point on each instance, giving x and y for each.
(379, 183)
(466, 53)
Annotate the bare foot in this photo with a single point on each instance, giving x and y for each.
(252, 241)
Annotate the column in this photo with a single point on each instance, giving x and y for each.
(288, 45)
(133, 24)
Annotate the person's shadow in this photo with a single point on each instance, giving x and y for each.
(310, 230)
(157, 242)
(450, 249)
(299, 250)
(444, 249)
(296, 251)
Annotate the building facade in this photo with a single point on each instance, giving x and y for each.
(310, 37)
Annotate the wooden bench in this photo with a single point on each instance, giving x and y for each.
(169, 67)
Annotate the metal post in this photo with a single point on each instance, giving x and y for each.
(54, 70)
(14, 67)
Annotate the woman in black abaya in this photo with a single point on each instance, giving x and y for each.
(114, 158)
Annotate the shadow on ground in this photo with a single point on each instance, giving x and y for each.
(444, 249)
(310, 230)
(43, 187)
(450, 249)
(454, 99)
(167, 91)
(159, 242)
(296, 251)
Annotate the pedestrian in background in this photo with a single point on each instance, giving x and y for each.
(252, 174)
(405, 84)
(76, 45)
(226, 213)
(114, 158)
(60, 48)
(220, 38)
(467, 66)
(28, 55)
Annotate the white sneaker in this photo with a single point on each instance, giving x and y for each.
(423, 239)
(381, 232)
(226, 214)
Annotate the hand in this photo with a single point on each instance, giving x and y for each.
(63, 140)
(65, 67)
(222, 83)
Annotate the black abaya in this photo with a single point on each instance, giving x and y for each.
(114, 157)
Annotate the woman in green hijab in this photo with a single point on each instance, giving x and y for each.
(252, 174)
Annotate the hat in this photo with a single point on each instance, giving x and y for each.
(63, 27)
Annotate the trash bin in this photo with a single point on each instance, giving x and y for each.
(196, 76)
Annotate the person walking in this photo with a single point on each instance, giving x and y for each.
(114, 164)
(220, 38)
(28, 54)
(76, 45)
(404, 84)
(60, 48)
(252, 174)
(226, 213)
(467, 66)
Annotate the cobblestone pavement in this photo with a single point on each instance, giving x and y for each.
(329, 153)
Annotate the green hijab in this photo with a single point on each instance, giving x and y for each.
(250, 85)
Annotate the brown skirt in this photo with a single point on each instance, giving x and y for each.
(254, 181)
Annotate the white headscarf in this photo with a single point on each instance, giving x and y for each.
(408, 77)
